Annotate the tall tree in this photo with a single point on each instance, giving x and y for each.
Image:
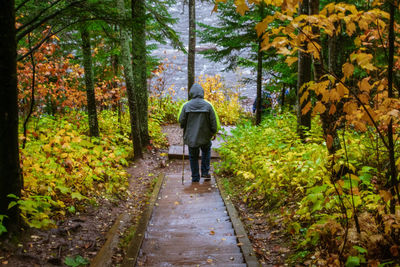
(139, 66)
(259, 71)
(391, 142)
(87, 65)
(130, 83)
(10, 176)
(303, 77)
(328, 120)
(192, 43)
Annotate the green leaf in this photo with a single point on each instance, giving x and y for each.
(360, 249)
(77, 195)
(63, 189)
(71, 209)
(12, 196)
(353, 261)
(70, 262)
(12, 204)
(75, 262)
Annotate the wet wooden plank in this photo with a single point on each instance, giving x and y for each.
(176, 152)
(190, 226)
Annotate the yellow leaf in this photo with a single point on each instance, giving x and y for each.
(363, 24)
(332, 110)
(306, 108)
(364, 85)
(342, 90)
(241, 6)
(357, 42)
(350, 107)
(47, 148)
(261, 26)
(314, 49)
(386, 195)
(320, 88)
(334, 95)
(291, 60)
(304, 96)
(284, 51)
(348, 70)
(360, 126)
(319, 108)
(364, 60)
(350, 28)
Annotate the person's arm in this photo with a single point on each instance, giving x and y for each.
(214, 120)
(182, 118)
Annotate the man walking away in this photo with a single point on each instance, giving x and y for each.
(200, 124)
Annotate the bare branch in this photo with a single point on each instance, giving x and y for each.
(45, 19)
(21, 5)
(38, 16)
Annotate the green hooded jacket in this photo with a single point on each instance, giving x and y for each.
(198, 118)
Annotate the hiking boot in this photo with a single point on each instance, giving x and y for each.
(206, 177)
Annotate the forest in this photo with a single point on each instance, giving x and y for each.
(84, 108)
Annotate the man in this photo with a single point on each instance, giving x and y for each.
(200, 123)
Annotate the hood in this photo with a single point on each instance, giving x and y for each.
(196, 91)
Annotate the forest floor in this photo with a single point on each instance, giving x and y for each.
(81, 236)
(84, 233)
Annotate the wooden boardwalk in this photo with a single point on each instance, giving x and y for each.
(190, 226)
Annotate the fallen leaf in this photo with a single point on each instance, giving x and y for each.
(212, 232)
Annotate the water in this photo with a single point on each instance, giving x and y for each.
(176, 76)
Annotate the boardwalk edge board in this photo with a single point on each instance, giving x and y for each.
(246, 247)
(137, 240)
(103, 257)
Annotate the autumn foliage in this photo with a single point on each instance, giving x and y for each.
(350, 198)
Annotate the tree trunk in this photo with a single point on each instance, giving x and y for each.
(283, 91)
(317, 62)
(129, 80)
(392, 161)
(10, 175)
(304, 76)
(118, 108)
(192, 43)
(328, 120)
(259, 72)
(90, 94)
(139, 66)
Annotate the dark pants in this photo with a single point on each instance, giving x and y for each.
(205, 161)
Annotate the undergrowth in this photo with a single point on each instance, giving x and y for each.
(272, 169)
(64, 169)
